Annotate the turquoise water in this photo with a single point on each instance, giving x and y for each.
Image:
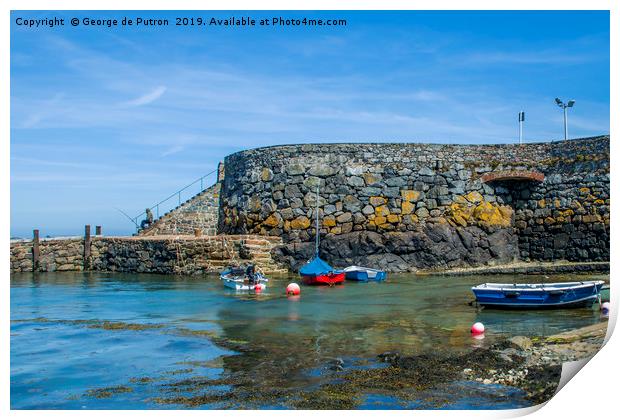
(68, 353)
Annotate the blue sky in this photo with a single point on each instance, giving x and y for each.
(120, 118)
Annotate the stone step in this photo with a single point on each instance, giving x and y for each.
(261, 255)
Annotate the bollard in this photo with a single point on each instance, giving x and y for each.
(98, 230)
(87, 242)
(35, 250)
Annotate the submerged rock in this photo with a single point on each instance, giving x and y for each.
(521, 342)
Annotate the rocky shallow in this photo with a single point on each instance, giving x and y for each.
(539, 360)
(533, 365)
(260, 375)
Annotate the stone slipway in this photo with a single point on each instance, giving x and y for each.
(557, 267)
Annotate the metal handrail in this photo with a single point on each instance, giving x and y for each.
(176, 193)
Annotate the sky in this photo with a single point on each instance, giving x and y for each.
(119, 118)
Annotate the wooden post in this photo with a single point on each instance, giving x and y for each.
(35, 250)
(98, 230)
(87, 241)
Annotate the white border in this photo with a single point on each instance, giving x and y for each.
(590, 395)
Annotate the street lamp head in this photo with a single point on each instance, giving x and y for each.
(570, 103)
(558, 101)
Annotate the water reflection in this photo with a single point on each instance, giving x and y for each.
(55, 361)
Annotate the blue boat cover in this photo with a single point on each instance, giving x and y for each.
(315, 267)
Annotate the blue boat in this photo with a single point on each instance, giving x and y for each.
(364, 274)
(538, 296)
(319, 272)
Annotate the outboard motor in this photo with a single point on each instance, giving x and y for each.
(250, 273)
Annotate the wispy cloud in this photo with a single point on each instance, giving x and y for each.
(41, 110)
(526, 57)
(172, 150)
(59, 164)
(147, 98)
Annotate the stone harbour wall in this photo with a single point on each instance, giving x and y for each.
(411, 206)
(163, 254)
(54, 255)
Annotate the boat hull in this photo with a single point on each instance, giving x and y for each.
(364, 274)
(585, 303)
(546, 296)
(328, 279)
(234, 285)
(239, 282)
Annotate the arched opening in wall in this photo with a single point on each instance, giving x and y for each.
(513, 176)
(516, 194)
(523, 192)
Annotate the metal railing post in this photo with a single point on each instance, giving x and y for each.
(177, 193)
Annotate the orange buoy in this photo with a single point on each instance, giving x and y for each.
(477, 328)
(293, 289)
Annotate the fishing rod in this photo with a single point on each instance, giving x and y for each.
(127, 216)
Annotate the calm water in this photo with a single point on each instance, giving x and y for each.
(61, 357)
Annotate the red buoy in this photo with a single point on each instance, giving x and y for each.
(293, 289)
(259, 287)
(477, 328)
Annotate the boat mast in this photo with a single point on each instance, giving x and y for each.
(316, 246)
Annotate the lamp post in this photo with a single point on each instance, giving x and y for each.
(564, 106)
(521, 119)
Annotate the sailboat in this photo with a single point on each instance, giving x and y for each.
(317, 271)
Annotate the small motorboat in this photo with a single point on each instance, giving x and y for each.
(357, 273)
(236, 278)
(318, 272)
(538, 296)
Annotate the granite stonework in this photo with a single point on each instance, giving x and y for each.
(199, 214)
(54, 255)
(410, 206)
(164, 255)
(400, 207)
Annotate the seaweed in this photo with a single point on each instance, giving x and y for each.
(141, 380)
(108, 392)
